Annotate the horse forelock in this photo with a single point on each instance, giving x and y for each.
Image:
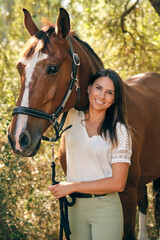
(38, 42)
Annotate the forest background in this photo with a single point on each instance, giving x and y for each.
(126, 36)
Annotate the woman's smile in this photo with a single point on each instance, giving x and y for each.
(98, 101)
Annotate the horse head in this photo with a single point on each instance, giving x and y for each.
(46, 69)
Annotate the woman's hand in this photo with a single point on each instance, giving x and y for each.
(62, 189)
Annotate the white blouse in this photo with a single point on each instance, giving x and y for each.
(91, 158)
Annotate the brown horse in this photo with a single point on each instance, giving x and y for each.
(45, 68)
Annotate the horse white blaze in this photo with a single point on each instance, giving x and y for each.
(143, 234)
(22, 119)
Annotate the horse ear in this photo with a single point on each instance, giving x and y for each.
(63, 23)
(29, 24)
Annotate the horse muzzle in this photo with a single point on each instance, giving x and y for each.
(25, 145)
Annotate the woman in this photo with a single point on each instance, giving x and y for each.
(98, 151)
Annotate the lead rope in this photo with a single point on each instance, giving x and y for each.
(63, 204)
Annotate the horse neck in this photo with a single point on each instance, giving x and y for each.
(89, 65)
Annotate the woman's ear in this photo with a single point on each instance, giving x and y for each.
(88, 90)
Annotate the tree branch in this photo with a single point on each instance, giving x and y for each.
(127, 11)
(156, 5)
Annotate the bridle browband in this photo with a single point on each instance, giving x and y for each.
(53, 117)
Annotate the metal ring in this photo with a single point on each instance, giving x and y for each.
(76, 59)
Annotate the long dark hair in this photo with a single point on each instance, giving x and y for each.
(116, 112)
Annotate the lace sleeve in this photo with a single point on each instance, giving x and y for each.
(123, 152)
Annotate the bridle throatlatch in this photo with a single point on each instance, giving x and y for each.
(58, 127)
(53, 117)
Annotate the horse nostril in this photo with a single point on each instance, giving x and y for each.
(24, 139)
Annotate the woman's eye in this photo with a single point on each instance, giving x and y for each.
(98, 87)
(52, 69)
(110, 93)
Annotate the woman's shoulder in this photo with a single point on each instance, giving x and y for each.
(122, 132)
(72, 115)
(74, 112)
(120, 127)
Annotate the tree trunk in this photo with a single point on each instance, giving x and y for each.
(156, 5)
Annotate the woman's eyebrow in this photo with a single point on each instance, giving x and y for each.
(107, 89)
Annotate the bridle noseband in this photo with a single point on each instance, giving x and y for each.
(53, 117)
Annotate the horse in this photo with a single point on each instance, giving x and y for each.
(46, 69)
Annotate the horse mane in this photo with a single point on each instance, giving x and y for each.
(88, 47)
(39, 41)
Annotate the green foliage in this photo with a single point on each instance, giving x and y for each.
(129, 53)
(27, 209)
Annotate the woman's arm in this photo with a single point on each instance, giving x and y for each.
(116, 183)
(62, 154)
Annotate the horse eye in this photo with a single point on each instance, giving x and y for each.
(52, 69)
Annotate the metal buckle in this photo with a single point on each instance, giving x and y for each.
(53, 119)
(76, 59)
(73, 77)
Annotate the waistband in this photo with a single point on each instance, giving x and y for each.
(87, 195)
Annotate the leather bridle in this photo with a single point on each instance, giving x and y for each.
(53, 117)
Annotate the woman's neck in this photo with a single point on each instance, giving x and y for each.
(95, 116)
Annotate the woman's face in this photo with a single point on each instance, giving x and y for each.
(101, 94)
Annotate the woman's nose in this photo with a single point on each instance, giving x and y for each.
(102, 95)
